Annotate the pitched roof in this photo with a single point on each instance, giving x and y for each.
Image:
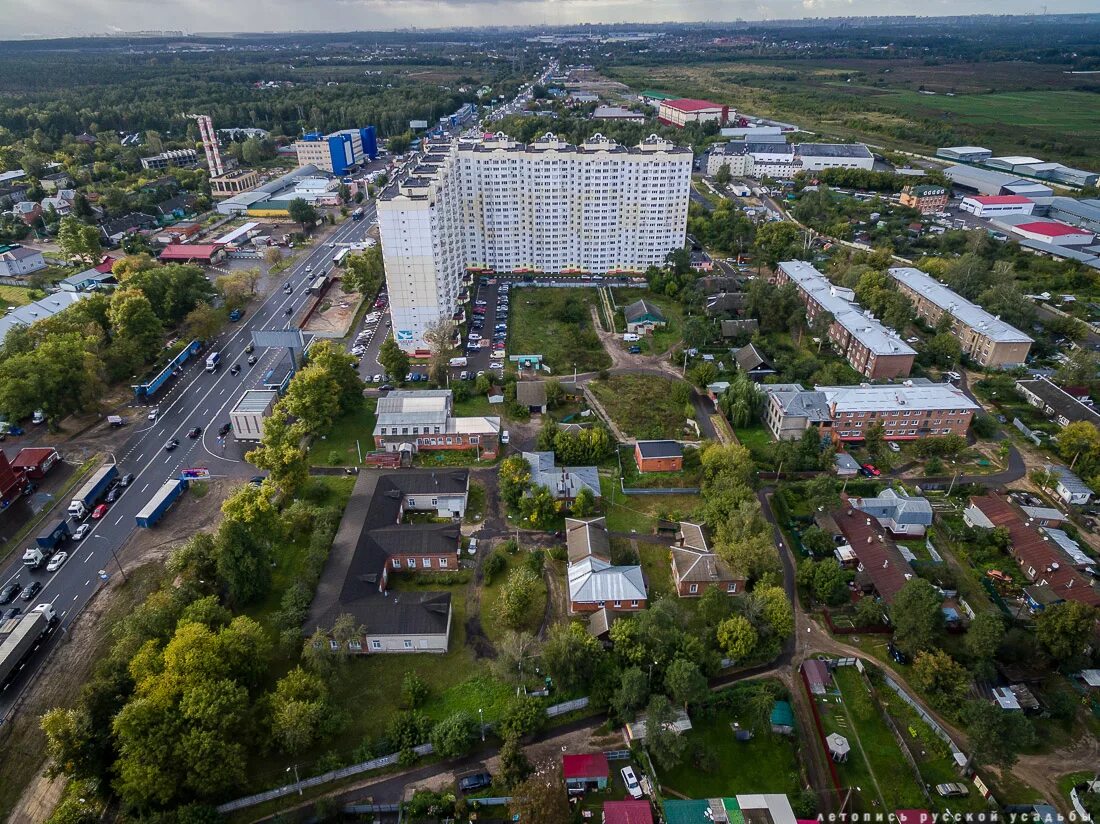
(593, 580)
(902, 509)
(584, 538)
(584, 765)
(562, 481)
(881, 560)
(693, 561)
(189, 251)
(1051, 228)
(751, 359)
(1056, 398)
(531, 393)
(640, 309)
(629, 811)
(660, 449)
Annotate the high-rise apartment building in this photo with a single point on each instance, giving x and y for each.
(546, 206)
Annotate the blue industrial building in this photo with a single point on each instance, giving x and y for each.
(338, 152)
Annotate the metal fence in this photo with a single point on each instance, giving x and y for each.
(492, 801)
(364, 809)
(928, 719)
(687, 490)
(567, 706)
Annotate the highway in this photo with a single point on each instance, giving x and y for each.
(194, 398)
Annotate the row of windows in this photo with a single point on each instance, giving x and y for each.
(893, 413)
(376, 645)
(425, 563)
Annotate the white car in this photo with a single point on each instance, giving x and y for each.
(359, 350)
(504, 436)
(153, 413)
(376, 379)
(892, 445)
(57, 561)
(39, 417)
(81, 532)
(631, 782)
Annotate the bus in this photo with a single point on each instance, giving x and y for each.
(338, 258)
(357, 214)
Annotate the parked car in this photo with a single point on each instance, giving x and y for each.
(32, 589)
(631, 782)
(870, 471)
(504, 436)
(99, 512)
(256, 480)
(224, 430)
(893, 446)
(472, 548)
(57, 561)
(81, 532)
(635, 350)
(896, 654)
(952, 790)
(474, 781)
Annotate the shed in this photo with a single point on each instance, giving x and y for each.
(585, 771)
(838, 746)
(642, 317)
(846, 465)
(531, 394)
(659, 456)
(192, 253)
(817, 675)
(752, 362)
(629, 811)
(35, 461)
(782, 718)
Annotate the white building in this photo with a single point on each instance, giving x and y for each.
(818, 156)
(16, 261)
(173, 157)
(997, 205)
(548, 206)
(1054, 233)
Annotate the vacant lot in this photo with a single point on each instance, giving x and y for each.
(338, 446)
(640, 513)
(642, 406)
(557, 324)
(490, 600)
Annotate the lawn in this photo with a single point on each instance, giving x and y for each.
(759, 441)
(557, 324)
(662, 339)
(657, 567)
(640, 513)
(477, 406)
(337, 447)
(689, 477)
(14, 296)
(642, 406)
(766, 764)
(490, 597)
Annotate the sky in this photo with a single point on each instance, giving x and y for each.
(52, 18)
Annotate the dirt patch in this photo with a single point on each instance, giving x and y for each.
(335, 312)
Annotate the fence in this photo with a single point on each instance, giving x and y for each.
(820, 732)
(492, 801)
(364, 809)
(687, 490)
(567, 706)
(958, 754)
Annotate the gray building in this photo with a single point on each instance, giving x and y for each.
(564, 482)
(18, 261)
(790, 410)
(989, 182)
(965, 154)
(897, 512)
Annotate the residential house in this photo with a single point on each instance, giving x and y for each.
(1069, 487)
(177, 206)
(585, 771)
(740, 327)
(752, 362)
(27, 211)
(61, 202)
(371, 542)
(628, 811)
(12, 193)
(696, 567)
(55, 181)
(594, 583)
(1056, 403)
(881, 568)
(897, 512)
(532, 394)
(37, 310)
(564, 482)
(818, 675)
(116, 229)
(925, 198)
(643, 317)
(659, 456)
(725, 303)
(789, 410)
(19, 261)
(415, 421)
(846, 466)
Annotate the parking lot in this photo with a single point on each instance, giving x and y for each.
(483, 325)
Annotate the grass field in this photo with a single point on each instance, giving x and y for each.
(490, 597)
(642, 406)
(640, 513)
(537, 327)
(662, 339)
(337, 446)
(14, 296)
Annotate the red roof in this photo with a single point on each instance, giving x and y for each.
(587, 765)
(689, 104)
(631, 811)
(31, 456)
(1035, 553)
(106, 265)
(1051, 228)
(879, 556)
(190, 251)
(1000, 200)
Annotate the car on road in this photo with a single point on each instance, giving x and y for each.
(194, 432)
(32, 589)
(153, 413)
(375, 378)
(476, 780)
(82, 532)
(474, 336)
(126, 480)
(99, 512)
(235, 369)
(386, 387)
(14, 612)
(634, 350)
(952, 790)
(113, 494)
(896, 654)
(481, 303)
(252, 360)
(463, 376)
(224, 430)
(504, 436)
(8, 593)
(359, 351)
(869, 471)
(57, 561)
(172, 444)
(631, 782)
(248, 350)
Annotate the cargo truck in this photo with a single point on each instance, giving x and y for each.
(212, 361)
(24, 639)
(48, 542)
(92, 490)
(161, 502)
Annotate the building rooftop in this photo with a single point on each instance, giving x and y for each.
(968, 313)
(900, 508)
(562, 481)
(584, 765)
(879, 557)
(876, 397)
(796, 401)
(1001, 200)
(1063, 403)
(1068, 480)
(641, 308)
(688, 104)
(833, 150)
(1052, 228)
(255, 400)
(660, 449)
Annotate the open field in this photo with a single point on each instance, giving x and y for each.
(490, 598)
(557, 324)
(337, 446)
(640, 513)
(14, 296)
(641, 405)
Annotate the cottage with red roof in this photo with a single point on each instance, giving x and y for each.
(686, 110)
(585, 771)
(997, 205)
(1054, 233)
(630, 811)
(193, 253)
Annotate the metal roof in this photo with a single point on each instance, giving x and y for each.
(833, 150)
(660, 449)
(256, 400)
(868, 397)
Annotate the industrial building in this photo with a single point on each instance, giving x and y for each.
(1054, 233)
(549, 206)
(233, 183)
(778, 159)
(248, 415)
(1034, 167)
(989, 182)
(965, 154)
(996, 205)
(338, 152)
(240, 203)
(175, 157)
(1083, 213)
(987, 339)
(819, 156)
(617, 113)
(686, 110)
(870, 348)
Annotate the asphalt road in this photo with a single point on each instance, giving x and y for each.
(194, 398)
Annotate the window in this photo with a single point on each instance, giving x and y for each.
(333, 645)
(408, 644)
(618, 604)
(693, 588)
(426, 563)
(731, 587)
(397, 563)
(376, 644)
(442, 563)
(355, 646)
(634, 603)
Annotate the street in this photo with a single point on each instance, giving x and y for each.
(194, 398)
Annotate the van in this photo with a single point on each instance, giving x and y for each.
(630, 337)
(115, 420)
(455, 362)
(38, 417)
(631, 782)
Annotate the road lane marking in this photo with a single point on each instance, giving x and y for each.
(145, 487)
(119, 521)
(90, 556)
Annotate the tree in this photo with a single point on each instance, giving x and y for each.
(584, 504)
(942, 677)
(1064, 630)
(299, 711)
(272, 255)
(827, 580)
(1081, 368)
(943, 350)
(541, 798)
(414, 691)
(539, 508)
(364, 272)
(632, 693)
(204, 322)
(776, 612)
(454, 735)
(737, 638)
(983, 639)
(313, 397)
(79, 241)
(304, 213)
(996, 736)
(572, 656)
(514, 766)
(515, 652)
(685, 683)
(280, 451)
(233, 288)
(777, 241)
(516, 596)
(868, 612)
(722, 177)
(874, 437)
(665, 744)
(555, 394)
(394, 359)
(916, 616)
(440, 339)
(342, 369)
(1079, 441)
(251, 507)
(822, 494)
(523, 716)
(515, 479)
(243, 563)
(818, 541)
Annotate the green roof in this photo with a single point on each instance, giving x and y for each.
(733, 811)
(782, 714)
(658, 95)
(687, 812)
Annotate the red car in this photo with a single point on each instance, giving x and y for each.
(870, 471)
(99, 512)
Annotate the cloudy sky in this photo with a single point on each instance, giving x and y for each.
(29, 18)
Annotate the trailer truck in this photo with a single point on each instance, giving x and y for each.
(92, 490)
(161, 502)
(48, 542)
(26, 636)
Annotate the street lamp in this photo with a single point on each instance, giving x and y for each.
(115, 556)
(297, 780)
(481, 718)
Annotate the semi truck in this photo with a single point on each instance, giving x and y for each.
(93, 488)
(357, 214)
(161, 502)
(212, 361)
(48, 542)
(23, 639)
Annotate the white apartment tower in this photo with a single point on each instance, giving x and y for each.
(546, 206)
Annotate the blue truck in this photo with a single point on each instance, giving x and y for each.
(58, 535)
(86, 498)
(161, 502)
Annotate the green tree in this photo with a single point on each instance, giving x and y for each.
(996, 736)
(868, 612)
(1064, 630)
(722, 177)
(414, 691)
(79, 241)
(539, 509)
(822, 494)
(204, 322)
(943, 350)
(394, 359)
(516, 597)
(341, 368)
(584, 504)
(916, 616)
(304, 213)
(685, 683)
(514, 478)
(983, 639)
(299, 711)
(775, 611)
(666, 746)
(737, 637)
(313, 397)
(632, 694)
(440, 339)
(132, 318)
(454, 735)
(514, 766)
(243, 563)
(777, 241)
(364, 272)
(280, 451)
(572, 656)
(523, 716)
(944, 679)
(541, 798)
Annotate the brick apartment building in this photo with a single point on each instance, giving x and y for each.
(926, 198)
(985, 338)
(412, 421)
(871, 348)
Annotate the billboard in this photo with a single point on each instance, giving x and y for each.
(198, 473)
(418, 124)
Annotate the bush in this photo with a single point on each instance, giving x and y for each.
(414, 691)
(494, 564)
(534, 561)
(455, 735)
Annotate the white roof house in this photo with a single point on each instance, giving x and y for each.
(40, 309)
(564, 482)
(594, 582)
(897, 512)
(911, 395)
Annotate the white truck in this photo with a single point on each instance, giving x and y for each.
(212, 361)
(22, 638)
(456, 362)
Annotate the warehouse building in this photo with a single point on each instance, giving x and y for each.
(989, 206)
(1083, 213)
(686, 110)
(987, 339)
(1054, 233)
(1009, 163)
(818, 156)
(989, 182)
(868, 346)
(965, 154)
(338, 152)
(240, 203)
(617, 113)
